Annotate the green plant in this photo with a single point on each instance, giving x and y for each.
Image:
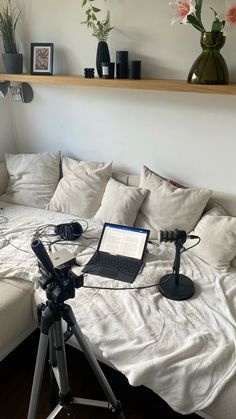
(8, 20)
(100, 28)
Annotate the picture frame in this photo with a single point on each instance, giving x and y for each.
(41, 61)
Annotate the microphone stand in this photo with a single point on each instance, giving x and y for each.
(176, 286)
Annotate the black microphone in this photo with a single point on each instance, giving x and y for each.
(176, 286)
(41, 253)
(175, 236)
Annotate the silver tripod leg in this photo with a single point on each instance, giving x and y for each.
(52, 333)
(57, 357)
(84, 344)
(60, 369)
(58, 364)
(38, 376)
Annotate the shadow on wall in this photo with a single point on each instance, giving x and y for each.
(232, 74)
(154, 69)
(64, 59)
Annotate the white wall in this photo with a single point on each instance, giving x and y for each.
(190, 137)
(7, 128)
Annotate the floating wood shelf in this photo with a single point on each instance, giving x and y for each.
(143, 84)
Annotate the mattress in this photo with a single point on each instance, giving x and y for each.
(182, 350)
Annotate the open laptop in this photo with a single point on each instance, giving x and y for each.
(120, 253)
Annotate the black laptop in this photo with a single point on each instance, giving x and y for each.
(120, 253)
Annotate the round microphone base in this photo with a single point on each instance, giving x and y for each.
(168, 287)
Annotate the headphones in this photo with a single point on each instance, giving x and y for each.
(69, 231)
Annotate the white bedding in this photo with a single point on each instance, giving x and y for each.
(183, 350)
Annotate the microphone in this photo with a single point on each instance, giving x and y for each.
(41, 253)
(176, 286)
(175, 236)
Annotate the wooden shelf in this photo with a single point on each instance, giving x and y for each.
(143, 84)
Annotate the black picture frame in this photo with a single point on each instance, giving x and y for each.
(41, 60)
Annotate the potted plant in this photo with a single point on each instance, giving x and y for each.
(100, 29)
(210, 67)
(9, 16)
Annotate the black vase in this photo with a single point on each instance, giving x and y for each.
(103, 55)
(13, 63)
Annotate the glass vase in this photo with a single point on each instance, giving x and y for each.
(210, 67)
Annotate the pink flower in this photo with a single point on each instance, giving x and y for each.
(183, 8)
(231, 15)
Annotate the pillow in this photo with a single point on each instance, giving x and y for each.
(218, 238)
(81, 188)
(33, 178)
(167, 207)
(120, 203)
(173, 182)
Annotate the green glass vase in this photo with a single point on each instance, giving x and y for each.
(210, 67)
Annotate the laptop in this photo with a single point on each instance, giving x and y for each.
(120, 253)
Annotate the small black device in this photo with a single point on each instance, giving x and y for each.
(89, 73)
(69, 231)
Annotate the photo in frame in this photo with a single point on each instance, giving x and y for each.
(41, 58)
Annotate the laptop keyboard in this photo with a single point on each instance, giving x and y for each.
(123, 264)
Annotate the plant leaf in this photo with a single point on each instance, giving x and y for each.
(217, 25)
(195, 23)
(96, 10)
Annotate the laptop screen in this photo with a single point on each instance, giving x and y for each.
(123, 241)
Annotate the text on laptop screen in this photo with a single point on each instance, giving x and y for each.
(123, 241)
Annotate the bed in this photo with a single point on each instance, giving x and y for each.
(182, 350)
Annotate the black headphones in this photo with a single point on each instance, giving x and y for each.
(69, 231)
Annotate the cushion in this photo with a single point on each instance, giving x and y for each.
(81, 188)
(120, 203)
(218, 238)
(33, 178)
(167, 207)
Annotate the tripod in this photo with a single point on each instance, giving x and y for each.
(60, 285)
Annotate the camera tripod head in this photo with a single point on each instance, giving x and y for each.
(59, 283)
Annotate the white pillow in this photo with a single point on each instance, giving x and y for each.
(81, 188)
(120, 203)
(33, 178)
(218, 238)
(167, 207)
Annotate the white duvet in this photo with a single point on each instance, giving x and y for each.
(182, 350)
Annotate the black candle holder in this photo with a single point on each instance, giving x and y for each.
(108, 70)
(122, 64)
(135, 69)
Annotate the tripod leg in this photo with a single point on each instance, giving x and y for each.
(46, 319)
(38, 376)
(60, 370)
(69, 317)
(52, 364)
